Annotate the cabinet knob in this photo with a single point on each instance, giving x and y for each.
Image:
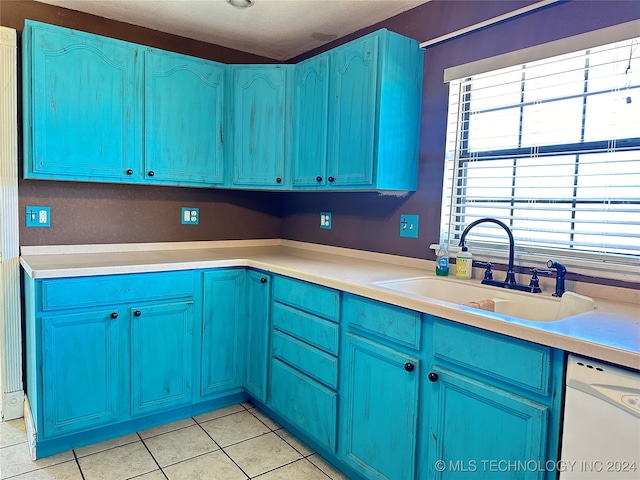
(114, 315)
(433, 376)
(318, 178)
(278, 180)
(137, 313)
(151, 173)
(409, 367)
(331, 179)
(263, 280)
(130, 172)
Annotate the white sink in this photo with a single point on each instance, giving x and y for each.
(529, 306)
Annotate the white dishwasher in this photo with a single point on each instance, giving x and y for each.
(601, 429)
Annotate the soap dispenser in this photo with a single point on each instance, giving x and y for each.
(442, 260)
(464, 264)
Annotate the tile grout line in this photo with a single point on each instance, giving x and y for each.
(154, 458)
(75, 456)
(223, 448)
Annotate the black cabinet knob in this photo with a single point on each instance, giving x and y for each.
(114, 315)
(318, 178)
(151, 173)
(278, 180)
(433, 376)
(263, 280)
(331, 179)
(137, 313)
(409, 367)
(129, 172)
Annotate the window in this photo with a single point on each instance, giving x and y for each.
(551, 148)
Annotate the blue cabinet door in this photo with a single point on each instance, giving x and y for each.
(82, 105)
(474, 425)
(260, 133)
(162, 354)
(352, 112)
(84, 370)
(257, 341)
(184, 118)
(379, 409)
(223, 332)
(310, 104)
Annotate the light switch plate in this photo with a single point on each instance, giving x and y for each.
(38, 216)
(409, 226)
(325, 220)
(190, 215)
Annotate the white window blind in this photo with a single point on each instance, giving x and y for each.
(551, 148)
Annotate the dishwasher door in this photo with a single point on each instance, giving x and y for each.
(601, 430)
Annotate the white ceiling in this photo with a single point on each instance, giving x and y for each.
(279, 29)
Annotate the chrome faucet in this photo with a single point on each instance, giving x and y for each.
(510, 278)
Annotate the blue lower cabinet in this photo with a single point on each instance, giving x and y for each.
(84, 378)
(311, 406)
(379, 409)
(480, 431)
(223, 331)
(256, 367)
(162, 351)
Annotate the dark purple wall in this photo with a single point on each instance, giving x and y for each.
(84, 213)
(371, 222)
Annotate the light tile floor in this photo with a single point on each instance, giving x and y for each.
(234, 443)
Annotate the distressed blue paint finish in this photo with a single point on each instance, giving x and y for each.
(162, 350)
(223, 331)
(79, 292)
(84, 377)
(379, 409)
(353, 96)
(310, 111)
(517, 363)
(314, 299)
(392, 323)
(82, 105)
(184, 119)
(315, 363)
(496, 398)
(374, 113)
(304, 363)
(305, 402)
(258, 326)
(260, 104)
(474, 423)
(314, 330)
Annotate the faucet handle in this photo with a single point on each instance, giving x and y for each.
(488, 273)
(537, 271)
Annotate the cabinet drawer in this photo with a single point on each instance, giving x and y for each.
(517, 362)
(77, 292)
(315, 363)
(310, 406)
(394, 323)
(311, 298)
(308, 328)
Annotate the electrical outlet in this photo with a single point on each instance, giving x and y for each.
(38, 216)
(409, 226)
(190, 215)
(325, 220)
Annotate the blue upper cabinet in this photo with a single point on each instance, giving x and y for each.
(184, 119)
(353, 112)
(82, 105)
(260, 116)
(374, 113)
(98, 109)
(310, 109)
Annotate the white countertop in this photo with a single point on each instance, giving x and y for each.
(610, 333)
